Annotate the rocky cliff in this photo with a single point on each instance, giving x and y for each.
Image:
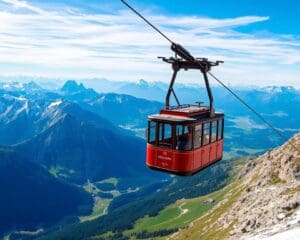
(261, 203)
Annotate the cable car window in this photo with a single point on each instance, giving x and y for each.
(165, 135)
(184, 137)
(179, 130)
(198, 136)
(185, 129)
(206, 133)
(151, 132)
(220, 129)
(213, 131)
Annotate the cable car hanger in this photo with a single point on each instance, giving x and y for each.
(204, 65)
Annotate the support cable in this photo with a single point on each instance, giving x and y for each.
(253, 110)
(142, 17)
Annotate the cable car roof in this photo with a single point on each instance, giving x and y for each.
(186, 110)
(172, 118)
(182, 119)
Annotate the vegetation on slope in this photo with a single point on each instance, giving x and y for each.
(179, 214)
(124, 214)
(206, 228)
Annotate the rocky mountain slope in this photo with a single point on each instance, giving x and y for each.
(262, 202)
(80, 145)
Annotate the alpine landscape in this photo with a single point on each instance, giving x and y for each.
(96, 142)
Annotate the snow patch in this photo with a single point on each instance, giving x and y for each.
(23, 108)
(293, 234)
(55, 104)
(21, 98)
(289, 230)
(3, 115)
(13, 85)
(100, 99)
(272, 89)
(119, 99)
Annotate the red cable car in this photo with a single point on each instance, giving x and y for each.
(185, 139)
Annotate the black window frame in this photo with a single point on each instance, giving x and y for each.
(160, 142)
(211, 131)
(203, 138)
(190, 136)
(174, 136)
(222, 130)
(155, 132)
(195, 134)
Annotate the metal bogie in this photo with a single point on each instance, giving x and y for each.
(201, 64)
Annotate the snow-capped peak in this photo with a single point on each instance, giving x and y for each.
(19, 86)
(11, 85)
(278, 89)
(272, 89)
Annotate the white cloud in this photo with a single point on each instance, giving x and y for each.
(23, 4)
(40, 41)
(246, 123)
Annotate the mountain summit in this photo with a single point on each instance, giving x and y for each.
(263, 201)
(72, 86)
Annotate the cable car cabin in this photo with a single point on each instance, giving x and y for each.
(184, 140)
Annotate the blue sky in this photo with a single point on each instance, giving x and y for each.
(258, 40)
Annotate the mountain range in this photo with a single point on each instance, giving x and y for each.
(55, 131)
(50, 142)
(74, 137)
(275, 103)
